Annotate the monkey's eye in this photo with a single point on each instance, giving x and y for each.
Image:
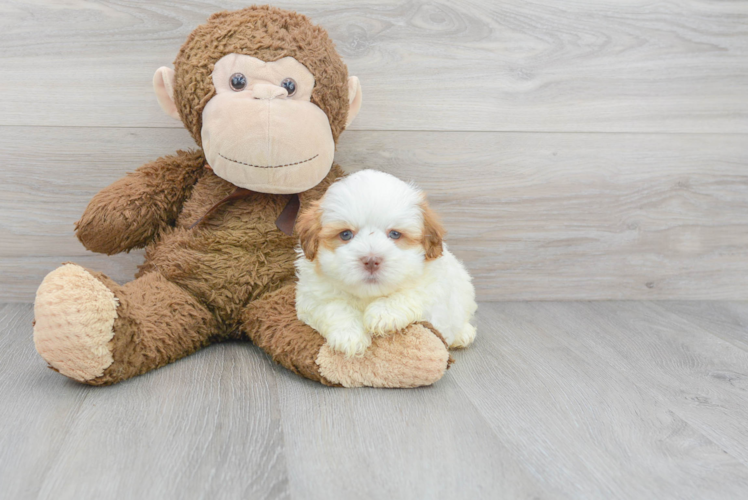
(238, 82)
(346, 235)
(290, 85)
(395, 234)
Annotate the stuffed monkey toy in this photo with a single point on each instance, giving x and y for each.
(265, 96)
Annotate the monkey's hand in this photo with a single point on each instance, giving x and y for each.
(131, 212)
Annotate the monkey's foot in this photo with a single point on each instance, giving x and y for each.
(415, 357)
(74, 324)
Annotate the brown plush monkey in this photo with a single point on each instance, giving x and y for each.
(265, 95)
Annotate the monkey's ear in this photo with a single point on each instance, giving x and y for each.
(354, 99)
(163, 85)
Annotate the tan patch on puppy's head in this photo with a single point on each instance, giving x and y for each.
(409, 239)
(433, 232)
(312, 233)
(330, 235)
(309, 227)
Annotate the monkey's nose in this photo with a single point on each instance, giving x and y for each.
(371, 264)
(268, 91)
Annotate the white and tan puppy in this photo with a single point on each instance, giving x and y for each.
(372, 261)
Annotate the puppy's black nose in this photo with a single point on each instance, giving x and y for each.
(371, 263)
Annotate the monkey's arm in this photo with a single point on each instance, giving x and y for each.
(131, 212)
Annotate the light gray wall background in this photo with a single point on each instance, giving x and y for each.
(576, 150)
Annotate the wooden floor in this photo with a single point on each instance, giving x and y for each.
(554, 400)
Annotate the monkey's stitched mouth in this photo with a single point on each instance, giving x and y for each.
(268, 166)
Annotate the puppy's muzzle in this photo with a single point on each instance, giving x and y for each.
(371, 264)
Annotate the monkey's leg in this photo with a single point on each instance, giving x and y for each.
(95, 331)
(418, 356)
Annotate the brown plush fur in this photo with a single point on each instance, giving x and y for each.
(118, 218)
(232, 275)
(267, 33)
(195, 283)
(272, 325)
(157, 323)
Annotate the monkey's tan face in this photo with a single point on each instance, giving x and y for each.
(260, 131)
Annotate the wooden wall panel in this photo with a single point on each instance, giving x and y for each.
(534, 216)
(577, 150)
(585, 66)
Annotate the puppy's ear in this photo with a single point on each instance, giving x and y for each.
(309, 225)
(433, 232)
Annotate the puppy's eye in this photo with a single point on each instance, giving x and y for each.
(395, 234)
(290, 85)
(346, 235)
(238, 82)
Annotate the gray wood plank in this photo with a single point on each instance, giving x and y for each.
(21, 276)
(701, 377)
(396, 444)
(205, 427)
(38, 407)
(534, 216)
(473, 65)
(577, 418)
(726, 320)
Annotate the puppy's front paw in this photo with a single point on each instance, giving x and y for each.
(464, 338)
(379, 319)
(350, 342)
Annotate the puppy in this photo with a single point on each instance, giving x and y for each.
(372, 261)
